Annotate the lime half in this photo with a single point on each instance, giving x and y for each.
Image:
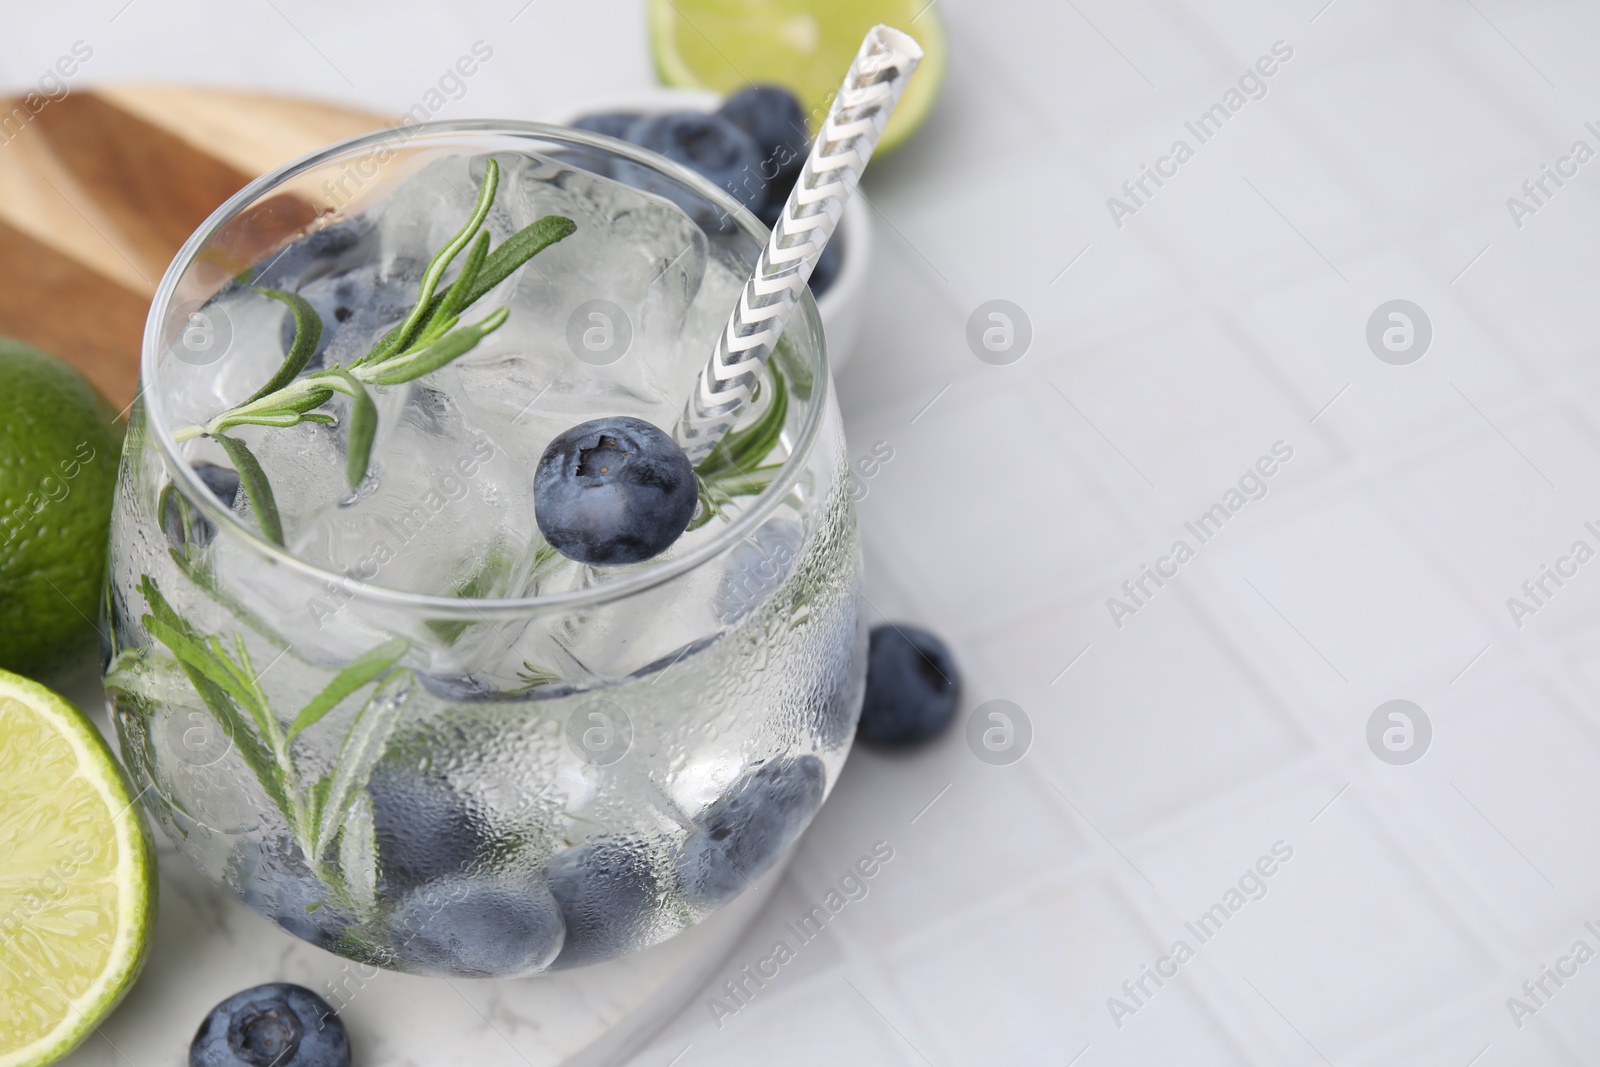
(77, 887)
(803, 45)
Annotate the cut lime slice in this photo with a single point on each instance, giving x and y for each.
(803, 45)
(77, 887)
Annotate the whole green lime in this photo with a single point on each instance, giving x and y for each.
(59, 445)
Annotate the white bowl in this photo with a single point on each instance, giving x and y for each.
(841, 304)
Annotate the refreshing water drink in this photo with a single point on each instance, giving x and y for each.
(363, 691)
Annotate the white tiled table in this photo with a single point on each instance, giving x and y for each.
(1230, 712)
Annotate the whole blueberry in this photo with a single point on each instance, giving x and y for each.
(913, 686)
(608, 894)
(334, 248)
(275, 882)
(476, 927)
(424, 827)
(354, 305)
(774, 118)
(607, 123)
(181, 521)
(709, 144)
(273, 1025)
(614, 490)
(744, 831)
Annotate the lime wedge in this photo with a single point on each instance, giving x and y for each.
(803, 45)
(77, 888)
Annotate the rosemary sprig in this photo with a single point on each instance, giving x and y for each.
(429, 338)
(227, 682)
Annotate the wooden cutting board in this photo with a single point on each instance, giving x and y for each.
(99, 189)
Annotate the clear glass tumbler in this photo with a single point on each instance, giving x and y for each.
(500, 776)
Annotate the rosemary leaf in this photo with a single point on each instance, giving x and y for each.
(359, 672)
(307, 332)
(516, 250)
(362, 746)
(443, 317)
(363, 425)
(256, 487)
(426, 360)
(166, 626)
(400, 339)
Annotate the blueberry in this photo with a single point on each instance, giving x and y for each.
(477, 928)
(273, 1025)
(182, 522)
(912, 686)
(709, 144)
(607, 123)
(836, 703)
(355, 307)
(608, 895)
(773, 117)
(425, 829)
(275, 882)
(827, 268)
(335, 247)
(742, 834)
(615, 490)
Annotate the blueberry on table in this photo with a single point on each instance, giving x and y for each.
(743, 832)
(477, 928)
(607, 123)
(912, 686)
(608, 895)
(273, 1025)
(708, 144)
(612, 491)
(773, 117)
(425, 829)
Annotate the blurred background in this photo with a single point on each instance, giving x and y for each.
(1341, 747)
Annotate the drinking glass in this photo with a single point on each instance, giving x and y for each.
(491, 777)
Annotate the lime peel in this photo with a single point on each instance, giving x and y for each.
(77, 895)
(803, 45)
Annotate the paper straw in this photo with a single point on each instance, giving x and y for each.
(828, 179)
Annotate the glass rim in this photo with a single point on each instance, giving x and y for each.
(195, 491)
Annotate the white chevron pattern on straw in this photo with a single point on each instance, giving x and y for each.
(849, 134)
